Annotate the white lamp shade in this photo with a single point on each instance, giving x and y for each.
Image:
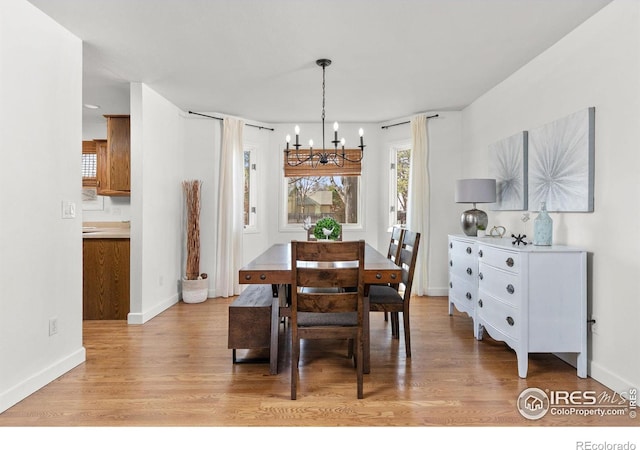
(476, 190)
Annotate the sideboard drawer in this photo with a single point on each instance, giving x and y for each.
(503, 317)
(502, 285)
(502, 259)
(462, 249)
(462, 289)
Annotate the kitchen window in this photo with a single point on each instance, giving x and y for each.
(399, 183)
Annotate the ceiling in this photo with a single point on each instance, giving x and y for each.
(256, 58)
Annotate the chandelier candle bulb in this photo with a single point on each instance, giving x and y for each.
(361, 132)
(288, 138)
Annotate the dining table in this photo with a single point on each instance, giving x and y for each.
(273, 267)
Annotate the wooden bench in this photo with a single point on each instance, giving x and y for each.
(254, 322)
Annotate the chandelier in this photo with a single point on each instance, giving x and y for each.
(314, 157)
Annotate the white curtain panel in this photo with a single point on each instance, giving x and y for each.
(418, 210)
(230, 209)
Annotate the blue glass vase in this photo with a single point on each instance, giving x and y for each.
(543, 227)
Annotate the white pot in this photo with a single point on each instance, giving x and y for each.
(195, 291)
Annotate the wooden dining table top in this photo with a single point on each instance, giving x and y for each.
(273, 266)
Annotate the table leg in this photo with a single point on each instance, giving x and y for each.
(366, 344)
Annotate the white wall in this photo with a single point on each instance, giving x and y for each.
(598, 64)
(157, 147)
(40, 253)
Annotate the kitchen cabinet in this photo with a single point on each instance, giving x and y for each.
(114, 157)
(105, 283)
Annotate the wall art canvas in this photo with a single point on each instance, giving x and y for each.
(508, 165)
(561, 159)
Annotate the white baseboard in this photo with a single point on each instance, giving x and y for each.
(438, 292)
(611, 380)
(40, 379)
(143, 317)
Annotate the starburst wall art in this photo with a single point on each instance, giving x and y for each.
(561, 159)
(508, 165)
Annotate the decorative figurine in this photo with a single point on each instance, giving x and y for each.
(519, 239)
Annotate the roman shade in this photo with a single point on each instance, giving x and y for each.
(350, 169)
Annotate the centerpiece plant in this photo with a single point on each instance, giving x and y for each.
(327, 228)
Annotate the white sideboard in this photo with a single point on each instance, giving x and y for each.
(533, 298)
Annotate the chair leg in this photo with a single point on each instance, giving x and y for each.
(386, 317)
(407, 333)
(396, 325)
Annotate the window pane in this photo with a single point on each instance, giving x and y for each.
(403, 159)
(317, 197)
(89, 161)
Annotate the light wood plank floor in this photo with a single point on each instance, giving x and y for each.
(176, 370)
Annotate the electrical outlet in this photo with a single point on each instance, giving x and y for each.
(53, 326)
(594, 325)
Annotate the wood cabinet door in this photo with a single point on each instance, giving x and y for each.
(118, 148)
(102, 163)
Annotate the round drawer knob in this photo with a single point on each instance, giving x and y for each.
(469, 271)
(468, 295)
(450, 244)
(263, 276)
(469, 250)
(378, 276)
(480, 253)
(450, 263)
(510, 320)
(481, 276)
(510, 289)
(450, 285)
(247, 277)
(480, 303)
(509, 262)
(394, 276)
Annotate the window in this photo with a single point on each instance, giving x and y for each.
(89, 163)
(250, 189)
(316, 197)
(399, 183)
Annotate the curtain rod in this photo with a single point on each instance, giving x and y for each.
(408, 121)
(220, 118)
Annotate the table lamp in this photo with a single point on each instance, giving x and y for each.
(475, 190)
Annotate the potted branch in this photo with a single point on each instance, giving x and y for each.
(195, 285)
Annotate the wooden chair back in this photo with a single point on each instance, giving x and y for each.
(407, 258)
(336, 313)
(395, 243)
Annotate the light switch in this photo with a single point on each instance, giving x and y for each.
(68, 210)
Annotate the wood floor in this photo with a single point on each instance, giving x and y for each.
(176, 370)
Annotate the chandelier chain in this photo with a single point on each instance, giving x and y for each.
(323, 103)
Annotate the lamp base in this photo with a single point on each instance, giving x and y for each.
(472, 219)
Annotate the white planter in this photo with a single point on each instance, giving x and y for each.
(195, 291)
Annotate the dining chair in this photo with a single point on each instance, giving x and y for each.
(319, 314)
(390, 299)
